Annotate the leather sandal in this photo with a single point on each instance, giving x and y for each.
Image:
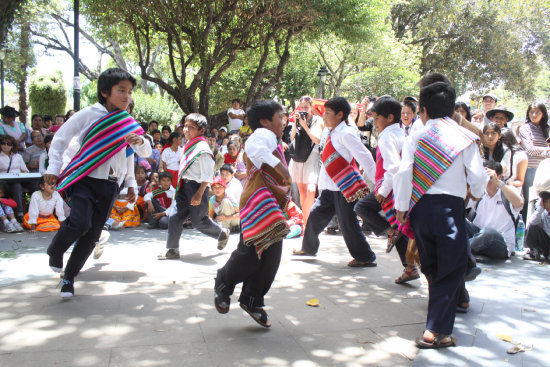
(408, 275)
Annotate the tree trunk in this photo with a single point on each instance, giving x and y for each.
(218, 120)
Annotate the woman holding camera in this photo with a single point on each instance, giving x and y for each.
(306, 161)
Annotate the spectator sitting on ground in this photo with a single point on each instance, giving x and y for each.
(7, 205)
(222, 208)
(221, 135)
(234, 188)
(41, 209)
(159, 202)
(537, 236)
(32, 154)
(492, 232)
(124, 213)
(12, 162)
(38, 124)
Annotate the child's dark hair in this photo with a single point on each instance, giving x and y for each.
(156, 131)
(466, 108)
(166, 128)
(431, 78)
(48, 138)
(495, 166)
(35, 115)
(544, 120)
(263, 109)
(41, 183)
(438, 99)
(211, 135)
(198, 119)
(386, 106)
(227, 167)
(165, 174)
(108, 79)
(509, 140)
(140, 168)
(498, 152)
(131, 106)
(151, 123)
(236, 100)
(47, 118)
(62, 116)
(68, 113)
(340, 104)
(544, 195)
(411, 104)
(173, 136)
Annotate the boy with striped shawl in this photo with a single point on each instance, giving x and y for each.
(107, 136)
(195, 174)
(264, 200)
(341, 185)
(438, 162)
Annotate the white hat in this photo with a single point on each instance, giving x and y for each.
(223, 128)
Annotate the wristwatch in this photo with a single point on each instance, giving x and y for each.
(501, 183)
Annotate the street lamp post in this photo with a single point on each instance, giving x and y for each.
(322, 74)
(76, 80)
(2, 56)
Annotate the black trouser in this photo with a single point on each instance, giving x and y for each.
(535, 237)
(368, 208)
(326, 205)
(157, 208)
(439, 228)
(198, 214)
(257, 274)
(16, 189)
(91, 203)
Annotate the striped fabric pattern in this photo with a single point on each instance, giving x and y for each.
(434, 154)
(387, 205)
(103, 140)
(344, 174)
(191, 151)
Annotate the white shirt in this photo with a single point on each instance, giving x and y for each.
(260, 146)
(451, 182)
(121, 166)
(345, 141)
(234, 189)
(540, 217)
(201, 170)
(171, 158)
(491, 213)
(390, 143)
(234, 124)
(513, 161)
(40, 206)
(17, 163)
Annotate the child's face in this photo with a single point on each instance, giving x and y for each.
(191, 130)
(236, 105)
(48, 189)
(156, 136)
(141, 175)
(225, 141)
(331, 118)
(232, 150)
(477, 117)
(218, 190)
(158, 146)
(212, 141)
(153, 126)
(154, 179)
(165, 134)
(120, 95)
(226, 175)
(165, 183)
(222, 134)
(276, 124)
(380, 122)
(215, 132)
(407, 115)
(545, 203)
(59, 121)
(37, 123)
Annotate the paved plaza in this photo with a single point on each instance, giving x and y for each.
(133, 310)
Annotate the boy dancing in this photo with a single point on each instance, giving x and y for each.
(108, 137)
(438, 161)
(341, 184)
(263, 226)
(195, 174)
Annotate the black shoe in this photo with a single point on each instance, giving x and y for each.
(152, 225)
(222, 303)
(171, 254)
(67, 289)
(258, 314)
(223, 238)
(331, 230)
(472, 274)
(533, 255)
(56, 264)
(235, 229)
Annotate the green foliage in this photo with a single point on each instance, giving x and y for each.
(47, 94)
(88, 94)
(155, 107)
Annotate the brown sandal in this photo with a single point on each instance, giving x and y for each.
(408, 275)
(359, 264)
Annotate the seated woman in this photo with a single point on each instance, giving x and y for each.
(493, 148)
(234, 156)
(12, 162)
(43, 203)
(9, 222)
(124, 214)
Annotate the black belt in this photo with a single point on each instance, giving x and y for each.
(112, 178)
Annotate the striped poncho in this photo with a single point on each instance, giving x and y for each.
(263, 202)
(104, 139)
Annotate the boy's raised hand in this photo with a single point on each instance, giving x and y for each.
(133, 139)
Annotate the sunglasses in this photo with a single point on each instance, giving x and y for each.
(5, 143)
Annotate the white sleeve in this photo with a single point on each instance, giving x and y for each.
(207, 167)
(476, 176)
(359, 152)
(164, 155)
(130, 179)
(148, 197)
(42, 163)
(257, 150)
(22, 165)
(402, 181)
(144, 149)
(59, 210)
(33, 208)
(505, 162)
(392, 158)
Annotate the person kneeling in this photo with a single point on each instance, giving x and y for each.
(159, 202)
(222, 208)
(492, 232)
(537, 237)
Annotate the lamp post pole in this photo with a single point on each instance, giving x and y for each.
(76, 80)
(322, 74)
(2, 56)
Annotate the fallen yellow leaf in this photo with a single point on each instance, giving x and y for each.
(314, 302)
(505, 337)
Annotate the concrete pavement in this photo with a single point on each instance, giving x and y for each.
(133, 310)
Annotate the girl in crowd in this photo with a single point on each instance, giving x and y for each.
(477, 119)
(15, 129)
(234, 156)
(464, 110)
(43, 161)
(170, 158)
(142, 185)
(12, 162)
(6, 210)
(408, 115)
(533, 135)
(518, 160)
(493, 148)
(41, 209)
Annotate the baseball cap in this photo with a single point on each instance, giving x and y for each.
(218, 181)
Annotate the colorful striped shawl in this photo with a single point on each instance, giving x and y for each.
(387, 204)
(344, 174)
(191, 151)
(103, 140)
(263, 201)
(436, 151)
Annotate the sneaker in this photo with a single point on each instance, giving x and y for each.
(222, 303)
(99, 246)
(533, 254)
(223, 238)
(472, 274)
(171, 254)
(67, 289)
(17, 227)
(9, 228)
